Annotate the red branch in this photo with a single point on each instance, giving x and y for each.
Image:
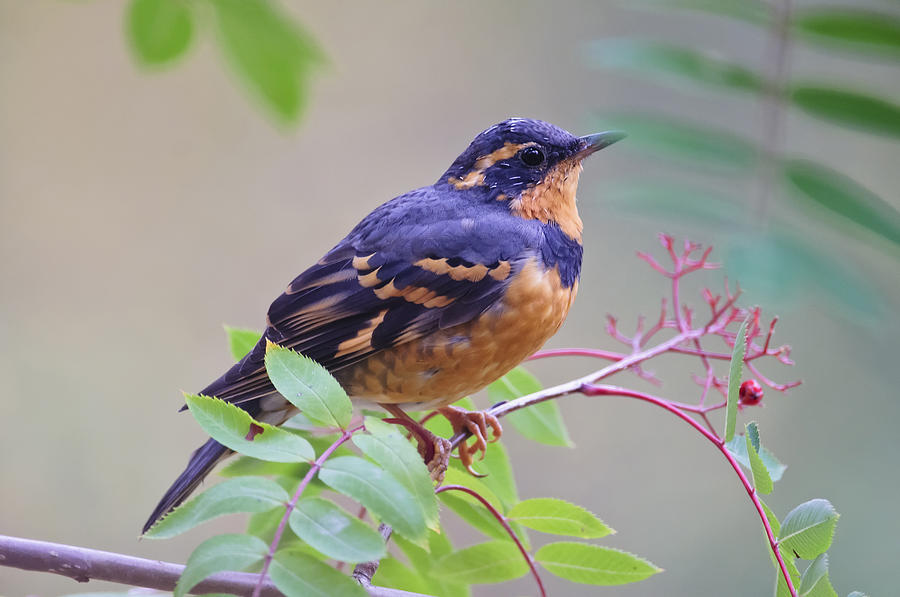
(688, 339)
(503, 521)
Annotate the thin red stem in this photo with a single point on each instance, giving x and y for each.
(276, 538)
(604, 390)
(502, 520)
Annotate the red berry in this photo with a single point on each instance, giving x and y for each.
(750, 393)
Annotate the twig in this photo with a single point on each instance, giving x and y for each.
(276, 538)
(364, 571)
(83, 564)
(505, 523)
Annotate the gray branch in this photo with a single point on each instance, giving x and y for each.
(83, 564)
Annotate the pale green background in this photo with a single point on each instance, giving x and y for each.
(139, 212)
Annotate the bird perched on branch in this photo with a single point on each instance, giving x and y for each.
(433, 295)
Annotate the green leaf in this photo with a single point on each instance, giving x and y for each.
(814, 582)
(393, 452)
(297, 574)
(866, 32)
(393, 574)
(500, 478)
(592, 564)
(231, 427)
(159, 30)
(761, 479)
(542, 422)
(843, 197)
(808, 529)
(335, 533)
(378, 491)
(473, 511)
(738, 449)
(696, 145)
(422, 562)
(551, 515)
(781, 588)
(244, 466)
(241, 341)
(484, 563)
(308, 386)
(735, 370)
(750, 11)
(269, 52)
(770, 516)
(244, 494)
(669, 62)
(849, 108)
(217, 554)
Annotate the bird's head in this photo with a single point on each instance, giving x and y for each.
(530, 165)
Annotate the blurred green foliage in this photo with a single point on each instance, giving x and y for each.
(269, 52)
(786, 189)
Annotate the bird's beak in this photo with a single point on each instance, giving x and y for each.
(597, 141)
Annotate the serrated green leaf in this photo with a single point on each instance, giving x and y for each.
(696, 145)
(396, 455)
(217, 554)
(781, 588)
(770, 516)
(159, 30)
(849, 108)
(331, 530)
(761, 479)
(296, 574)
(541, 422)
(393, 574)
(552, 515)
(244, 494)
(669, 62)
(378, 491)
(500, 478)
(241, 341)
(472, 511)
(231, 427)
(808, 529)
(735, 370)
(592, 564)
(269, 52)
(814, 582)
(422, 562)
(244, 466)
(866, 32)
(308, 386)
(484, 563)
(843, 197)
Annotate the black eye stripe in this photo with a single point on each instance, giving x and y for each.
(532, 156)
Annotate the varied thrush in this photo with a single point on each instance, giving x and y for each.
(433, 295)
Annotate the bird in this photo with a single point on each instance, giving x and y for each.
(432, 296)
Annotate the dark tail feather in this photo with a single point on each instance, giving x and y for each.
(202, 461)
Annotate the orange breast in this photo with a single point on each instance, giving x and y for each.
(451, 363)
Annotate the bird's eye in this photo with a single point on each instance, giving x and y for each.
(532, 156)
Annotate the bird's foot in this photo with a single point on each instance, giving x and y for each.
(435, 450)
(474, 422)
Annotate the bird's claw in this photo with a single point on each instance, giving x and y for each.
(476, 423)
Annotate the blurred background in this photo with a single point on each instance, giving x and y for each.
(148, 198)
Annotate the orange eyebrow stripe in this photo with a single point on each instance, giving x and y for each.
(475, 176)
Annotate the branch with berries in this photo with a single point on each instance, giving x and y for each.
(299, 538)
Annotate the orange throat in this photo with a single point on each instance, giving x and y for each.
(553, 199)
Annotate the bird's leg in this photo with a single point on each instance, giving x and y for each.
(435, 450)
(475, 422)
